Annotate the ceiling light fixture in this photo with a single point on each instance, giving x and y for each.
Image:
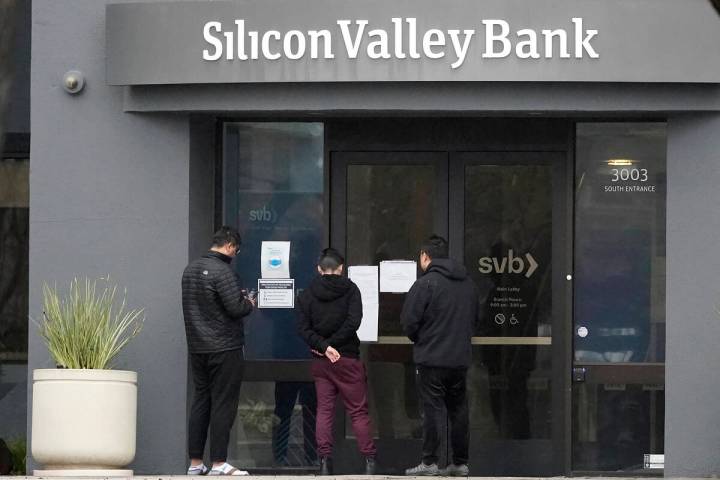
(619, 162)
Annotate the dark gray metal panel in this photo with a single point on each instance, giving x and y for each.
(17, 113)
(431, 133)
(636, 41)
(109, 195)
(692, 438)
(202, 184)
(457, 98)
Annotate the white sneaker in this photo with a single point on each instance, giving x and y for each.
(195, 470)
(423, 470)
(227, 469)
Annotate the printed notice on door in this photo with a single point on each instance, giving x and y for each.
(276, 293)
(366, 278)
(397, 276)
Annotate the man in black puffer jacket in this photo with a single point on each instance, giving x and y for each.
(329, 313)
(213, 308)
(440, 315)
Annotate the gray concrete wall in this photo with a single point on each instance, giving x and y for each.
(692, 438)
(109, 195)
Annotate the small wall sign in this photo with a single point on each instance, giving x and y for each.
(276, 293)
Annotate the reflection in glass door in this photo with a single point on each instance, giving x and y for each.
(504, 223)
(384, 205)
(619, 309)
(508, 234)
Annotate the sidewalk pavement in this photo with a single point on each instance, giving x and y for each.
(332, 477)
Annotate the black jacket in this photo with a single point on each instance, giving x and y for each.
(329, 312)
(440, 315)
(213, 305)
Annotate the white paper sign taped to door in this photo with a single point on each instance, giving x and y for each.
(366, 278)
(397, 276)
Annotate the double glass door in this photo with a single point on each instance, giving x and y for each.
(504, 216)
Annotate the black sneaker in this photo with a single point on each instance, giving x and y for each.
(423, 470)
(326, 467)
(370, 466)
(453, 470)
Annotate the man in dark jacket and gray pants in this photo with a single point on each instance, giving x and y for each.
(213, 308)
(439, 316)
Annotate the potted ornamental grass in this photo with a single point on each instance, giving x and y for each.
(84, 412)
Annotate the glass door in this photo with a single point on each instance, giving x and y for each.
(384, 204)
(619, 310)
(504, 216)
(508, 223)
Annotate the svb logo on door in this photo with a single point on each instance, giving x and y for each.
(509, 264)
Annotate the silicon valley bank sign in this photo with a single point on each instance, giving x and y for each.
(402, 42)
(259, 41)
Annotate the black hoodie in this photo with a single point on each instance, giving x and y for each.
(329, 313)
(440, 315)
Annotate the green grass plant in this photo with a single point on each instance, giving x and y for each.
(86, 328)
(18, 450)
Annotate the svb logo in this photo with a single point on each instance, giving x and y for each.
(509, 264)
(263, 214)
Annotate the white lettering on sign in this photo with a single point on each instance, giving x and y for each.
(492, 38)
(217, 53)
(351, 47)
(402, 41)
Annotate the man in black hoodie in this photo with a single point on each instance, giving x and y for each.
(213, 308)
(329, 312)
(439, 316)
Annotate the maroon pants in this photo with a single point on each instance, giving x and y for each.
(347, 378)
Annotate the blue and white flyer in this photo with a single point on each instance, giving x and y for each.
(275, 260)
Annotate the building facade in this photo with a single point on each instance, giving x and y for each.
(569, 153)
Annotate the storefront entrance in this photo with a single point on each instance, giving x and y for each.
(504, 215)
(568, 363)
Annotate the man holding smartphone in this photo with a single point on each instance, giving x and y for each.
(213, 309)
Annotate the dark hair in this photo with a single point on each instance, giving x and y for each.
(226, 235)
(330, 259)
(435, 247)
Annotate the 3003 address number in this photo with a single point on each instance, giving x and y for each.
(625, 174)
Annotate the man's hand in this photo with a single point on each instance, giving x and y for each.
(252, 301)
(332, 354)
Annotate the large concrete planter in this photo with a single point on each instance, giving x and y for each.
(84, 422)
